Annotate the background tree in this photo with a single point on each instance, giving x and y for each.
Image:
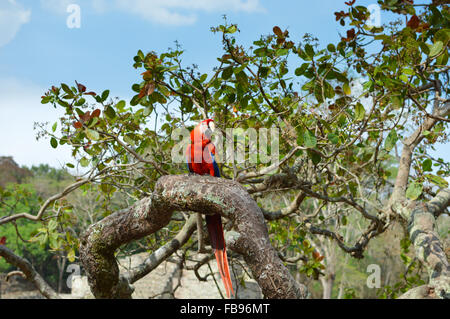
(357, 119)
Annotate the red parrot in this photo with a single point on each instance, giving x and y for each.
(200, 160)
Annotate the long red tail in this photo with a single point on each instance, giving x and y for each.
(215, 230)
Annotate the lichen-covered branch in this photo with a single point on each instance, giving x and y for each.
(201, 194)
(30, 273)
(421, 221)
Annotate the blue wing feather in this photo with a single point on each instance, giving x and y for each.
(216, 167)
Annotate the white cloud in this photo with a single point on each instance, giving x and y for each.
(56, 6)
(20, 107)
(167, 12)
(12, 16)
(182, 12)
(213, 5)
(155, 11)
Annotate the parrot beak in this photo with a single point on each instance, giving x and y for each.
(212, 126)
(208, 129)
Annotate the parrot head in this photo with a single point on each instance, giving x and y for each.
(204, 130)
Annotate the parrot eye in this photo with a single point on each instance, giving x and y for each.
(212, 126)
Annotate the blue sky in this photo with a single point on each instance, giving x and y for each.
(38, 49)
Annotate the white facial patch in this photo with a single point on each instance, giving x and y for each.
(207, 129)
(212, 126)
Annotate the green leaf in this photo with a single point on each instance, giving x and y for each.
(203, 78)
(232, 29)
(127, 139)
(360, 112)
(105, 95)
(66, 89)
(80, 102)
(300, 135)
(84, 162)
(264, 72)
(46, 99)
(299, 71)
(328, 90)
(391, 140)
(442, 59)
(314, 157)
(227, 73)
(408, 71)
(121, 105)
(281, 52)
(43, 240)
(436, 48)
(346, 88)
(333, 138)
(54, 126)
(92, 135)
(52, 225)
(427, 165)
(442, 35)
(437, 180)
(71, 255)
(309, 50)
(70, 165)
(93, 122)
(54, 142)
(110, 112)
(242, 78)
(414, 191)
(318, 93)
(310, 139)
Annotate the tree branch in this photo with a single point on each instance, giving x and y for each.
(201, 194)
(161, 254)
(401, 182)
(47, 203)
(30, 273)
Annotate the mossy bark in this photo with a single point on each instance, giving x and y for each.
(201, 194)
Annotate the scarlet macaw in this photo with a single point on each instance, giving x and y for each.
(201, 160)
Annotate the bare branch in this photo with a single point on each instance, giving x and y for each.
(292, 208)
(47, 203)
(163, 252)
(30, 273)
